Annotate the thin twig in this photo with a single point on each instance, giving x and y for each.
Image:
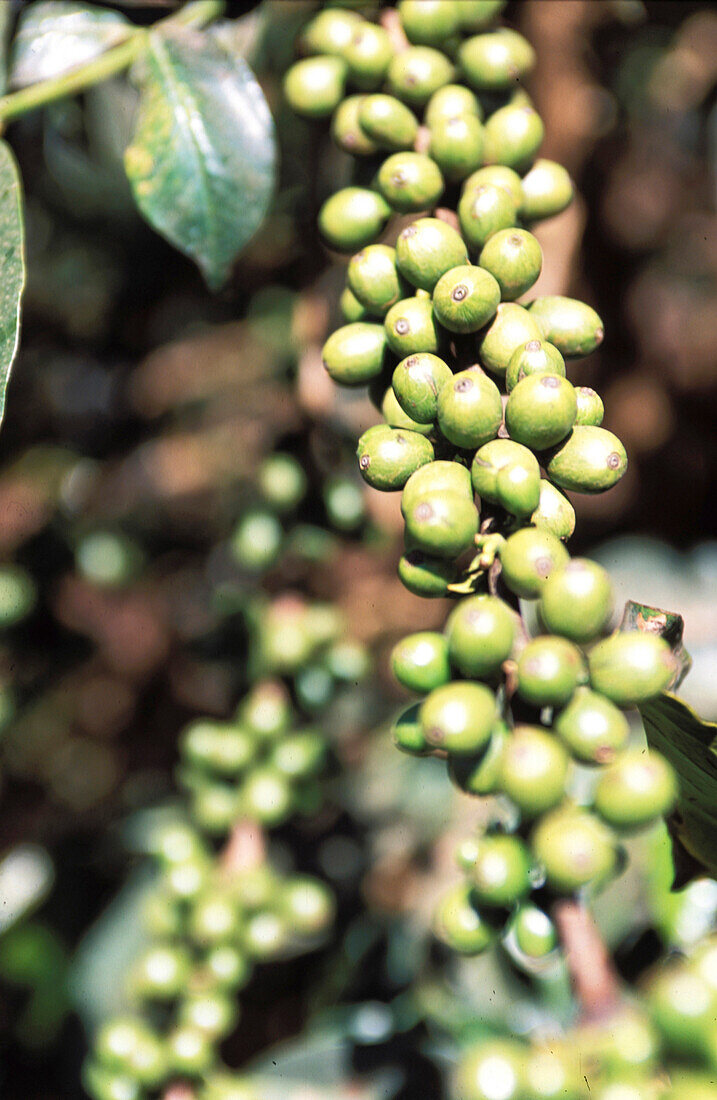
(391, 22)
(595, 982)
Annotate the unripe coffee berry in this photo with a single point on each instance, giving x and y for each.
(417, 382)
(494, 62)
(352, 218)
(515, 259)
(411, 327)
(574, 327)
(314, 87)
(592, 727)
(346, 129)
(501, 871)
(635, 790)
(484, 210)
(407, 732)
(420, 661)
(576, 600)
(470, 410)
(549, 670)
(443, 523)
(541, 410)
(410, 182)
(428, 22)
(368, 55)
(528, 558)
(452, 101)
(459, 925)
(465, 298)
(459, 717)
(512, 327)
(495, 456)
(355, 353)
(456, 145)
(590, 460)
(436, 477)
(590, 407)
(481, 631)
(534, 768)
(373, 278)
(631, 667)
(388, 123)
(513, 135)
(424, 575)
(388, 456)
(554, 513)
(416, 73)
(547, 190)
(574, 848)
(427, 249)
(480, 774)
(496, 175)
(535, 357)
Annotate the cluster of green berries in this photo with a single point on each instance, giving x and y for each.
(482, 434)
(661, 1046)
(208, 926)
(270, 527)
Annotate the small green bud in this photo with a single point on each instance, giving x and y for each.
(410, 182)
(427, 249)
(574, 327)
(388, 456)
(515, 259)
(355, 353)
(470, 410)
(590, 460)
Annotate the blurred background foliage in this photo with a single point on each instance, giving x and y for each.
(138, 415)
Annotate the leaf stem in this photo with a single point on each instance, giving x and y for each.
(101, 68)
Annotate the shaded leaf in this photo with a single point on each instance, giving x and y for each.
(202, 160)
(12, 264)
(56, 36)
(5, 15)
(690, 744)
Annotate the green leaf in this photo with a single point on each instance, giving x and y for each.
(202, 160)
(5, 16)
(690, 745)
(12, 264)
(56, 36)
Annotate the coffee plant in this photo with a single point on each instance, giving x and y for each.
(483, 433)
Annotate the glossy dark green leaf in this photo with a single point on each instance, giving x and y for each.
(690, 745)
(12, 264)
(55, 36)
(201, 163)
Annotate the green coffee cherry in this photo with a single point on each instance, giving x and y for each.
(480, 775)
(574, 848)
(420, 661)
(451, 101)
(395, 417)
(499, 1061)
(161, 973)
(636, 789)
(330, 31)
(410, 182)
(407, 732)
(547, 190)
(576, 601)
(427, 249)
(416, 73)
(213, 1013)
(494, 456)
(457, 145)
(373, 278)
(223, 749)
(528, 557)
(227, 967)
(497, 175)
(213, 919)
(104, 1084)
(314, 87)
(411, 328)
(256, 540)
(428, 22)
(266, 796)
(368, 54)
(266, 710)
(351, 308)
(535, 935)
(465, 298)
(443, 524)
(282, 481)
(541, 410)
(299, 755)
(515, 259)
(549, 670)
(483, 211)
(459, 925)
(355, 353)
(352, 218)
(534, 768)
(513, 135)
(574, 327)
(494, 62)
(476, 15)
(424, 575)
(554, 513)
(459, 717)
(417, 382)
(535, 357)
(470, 410)
(189, 1050)
(518, 489)
(512, 327)
(127, 1045)
(344, 503)
(481, 633)
(592, 727)
(553, 1074)
(388, 456)
(387, 122)
(307, 904)
(501, 872)
(682, 1006)
(590, 407)
(591, 460)
(214, 807)
(436, 477)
